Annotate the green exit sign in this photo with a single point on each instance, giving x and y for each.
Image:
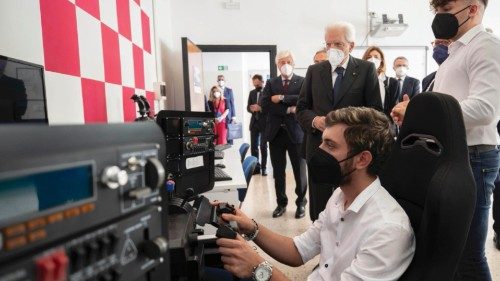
(222, 67)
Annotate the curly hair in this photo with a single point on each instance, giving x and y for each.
(367, 129)
(441, 3)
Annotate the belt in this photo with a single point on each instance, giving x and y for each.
(482, 148)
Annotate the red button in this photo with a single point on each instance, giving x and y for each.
(45, 268)
(61, 262)
(195, 140)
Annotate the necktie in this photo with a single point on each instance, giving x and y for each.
(285, 86)
(400, 88)
(338, 81)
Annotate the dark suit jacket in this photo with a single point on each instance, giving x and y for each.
(360, 87)
(228, 95)
(277, 111)
(259, 119)
(427, 81)
(411, 87)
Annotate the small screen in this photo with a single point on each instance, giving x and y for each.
(22, 92)
(42, 191)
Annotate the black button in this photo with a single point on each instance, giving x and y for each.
(342, 219)
(326, 265)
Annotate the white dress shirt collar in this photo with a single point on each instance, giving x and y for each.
(361, 199)
(289, 78)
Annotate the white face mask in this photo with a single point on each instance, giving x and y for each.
(401, 71)
(335, 56)
(376, 62)
(286, 70)
(221, 83)
(217, 95)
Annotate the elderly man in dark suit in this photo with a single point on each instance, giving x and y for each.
(284, 133)
(257, 124)
(341, 81)
(401, 85)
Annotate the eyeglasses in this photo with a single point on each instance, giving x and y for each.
(427, 142)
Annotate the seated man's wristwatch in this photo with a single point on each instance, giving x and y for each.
(263, 271)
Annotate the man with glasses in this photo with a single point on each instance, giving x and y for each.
(341, 81)
(471, 74)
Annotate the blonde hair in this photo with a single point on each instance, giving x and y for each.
(214, 89)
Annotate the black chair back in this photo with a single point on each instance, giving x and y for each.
(429, 174)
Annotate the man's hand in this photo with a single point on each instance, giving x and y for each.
(255, 108)
(291, 110)
(238, 257)
(276, 98)
(319, 123)
(398, 112)
(245, 224)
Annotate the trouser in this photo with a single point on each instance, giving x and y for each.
(319, 194)
(473, 264)
(496, 207)
(278, 148)
(258, 139)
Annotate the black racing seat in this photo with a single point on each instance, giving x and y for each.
(429, 174)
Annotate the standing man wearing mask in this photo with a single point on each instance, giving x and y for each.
(339, 82)
(257, 125)
(401, 85)
(284, 132)
(471, 74)
(229, 97)
(439, 54)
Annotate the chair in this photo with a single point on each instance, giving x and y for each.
(243, 150)
(429, 174)
(248, 167)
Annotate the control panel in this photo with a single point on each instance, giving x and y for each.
(82, 202)
(189, 161)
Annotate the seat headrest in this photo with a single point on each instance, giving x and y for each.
(436, 121)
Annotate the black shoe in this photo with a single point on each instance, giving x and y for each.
(264, 173)
(496, 239)
(279, 211)
(222, 166)
(301, 212)
(256, 171)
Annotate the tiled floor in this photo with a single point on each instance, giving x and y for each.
(261, 201)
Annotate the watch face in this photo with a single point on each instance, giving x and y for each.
(262, 274)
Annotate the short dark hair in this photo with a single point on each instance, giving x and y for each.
(441, 3)
(257, 76)
(367, 129)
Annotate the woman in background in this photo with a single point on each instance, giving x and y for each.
(376, 56)
(220, 108)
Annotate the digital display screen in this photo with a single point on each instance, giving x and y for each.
(41, 191)
(194, 124)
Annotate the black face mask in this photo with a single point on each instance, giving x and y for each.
(258, 88)
(324, 168)
(445, 25)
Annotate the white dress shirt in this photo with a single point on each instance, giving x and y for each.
(471, 74)
(381, 79)
(371, 240)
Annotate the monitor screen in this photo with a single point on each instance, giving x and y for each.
(22, 92)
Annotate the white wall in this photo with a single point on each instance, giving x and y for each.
(293, 24)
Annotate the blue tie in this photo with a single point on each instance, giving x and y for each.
(338, 81)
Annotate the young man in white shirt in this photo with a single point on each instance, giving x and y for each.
(471, 74)
(363, 234)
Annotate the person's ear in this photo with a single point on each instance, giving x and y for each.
(363, 160)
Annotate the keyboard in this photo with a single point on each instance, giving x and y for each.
(221, 147)
(219, 154)
(220, 175)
